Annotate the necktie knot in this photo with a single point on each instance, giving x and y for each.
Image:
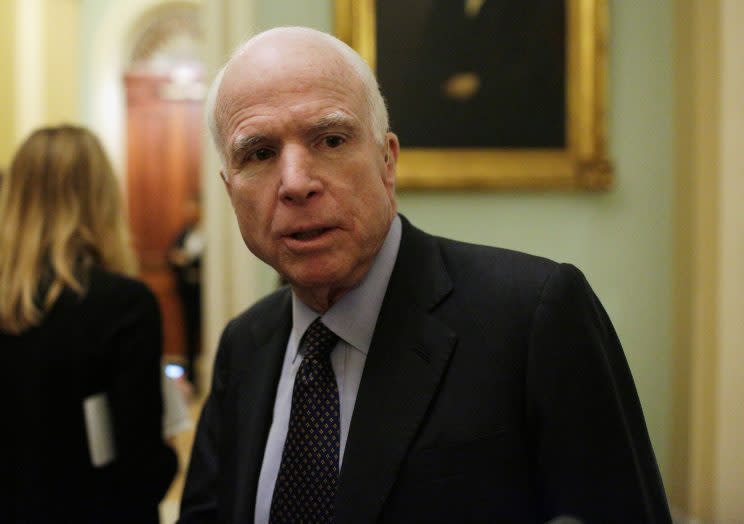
(318, 340)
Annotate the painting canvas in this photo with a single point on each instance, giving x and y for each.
(489, 93)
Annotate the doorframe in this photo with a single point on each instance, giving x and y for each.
(109, 52)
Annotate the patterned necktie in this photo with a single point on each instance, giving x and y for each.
(305, 488)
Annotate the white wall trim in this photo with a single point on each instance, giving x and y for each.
(231, 273)
(728, 502)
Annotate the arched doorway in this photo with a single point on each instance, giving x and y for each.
(164, 97)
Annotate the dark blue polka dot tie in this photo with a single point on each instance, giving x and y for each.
(305, 488)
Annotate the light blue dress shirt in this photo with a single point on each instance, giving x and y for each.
(353, 319)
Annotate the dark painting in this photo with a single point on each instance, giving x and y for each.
(475, 74)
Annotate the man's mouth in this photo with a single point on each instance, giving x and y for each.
(309, 234)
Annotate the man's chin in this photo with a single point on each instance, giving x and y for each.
(310, 281)
(330, 284)
(313, 273)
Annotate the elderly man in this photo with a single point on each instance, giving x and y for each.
(401, 377)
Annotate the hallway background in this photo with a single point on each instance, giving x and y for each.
(662, 248)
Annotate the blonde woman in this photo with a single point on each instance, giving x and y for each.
(75, 330)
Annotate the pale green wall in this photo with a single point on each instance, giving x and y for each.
(621, 239)
(317, 13)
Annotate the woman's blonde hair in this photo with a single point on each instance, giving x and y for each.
(61, 212)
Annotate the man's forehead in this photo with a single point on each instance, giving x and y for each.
(272, 72)
(275, 66)
(297, 95)
(260, 82)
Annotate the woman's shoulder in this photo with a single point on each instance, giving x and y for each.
(115, 289)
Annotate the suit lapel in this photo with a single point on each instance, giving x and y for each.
(256, 392)
(407, 359)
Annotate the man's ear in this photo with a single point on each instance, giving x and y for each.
(392, 150)
(390, 157)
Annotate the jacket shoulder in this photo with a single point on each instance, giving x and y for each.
(106, 294)
(466, 261)
(106, 286)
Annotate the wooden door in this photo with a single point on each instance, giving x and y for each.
(163, 160)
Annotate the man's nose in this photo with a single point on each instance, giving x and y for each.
(298, 183)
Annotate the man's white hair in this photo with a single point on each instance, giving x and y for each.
(378, 114)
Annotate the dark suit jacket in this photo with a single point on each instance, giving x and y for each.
(495, 390)
(108, 341)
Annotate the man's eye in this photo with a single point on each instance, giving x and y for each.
(333, 141)
(262, 154)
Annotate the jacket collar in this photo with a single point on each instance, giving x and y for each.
(409, 354)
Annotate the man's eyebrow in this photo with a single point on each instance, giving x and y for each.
(335, 119)
(244, 142)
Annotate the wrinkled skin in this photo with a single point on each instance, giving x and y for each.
(312, 190)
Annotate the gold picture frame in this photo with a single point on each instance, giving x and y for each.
(583, 162)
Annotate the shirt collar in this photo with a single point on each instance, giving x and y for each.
(354, 316)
